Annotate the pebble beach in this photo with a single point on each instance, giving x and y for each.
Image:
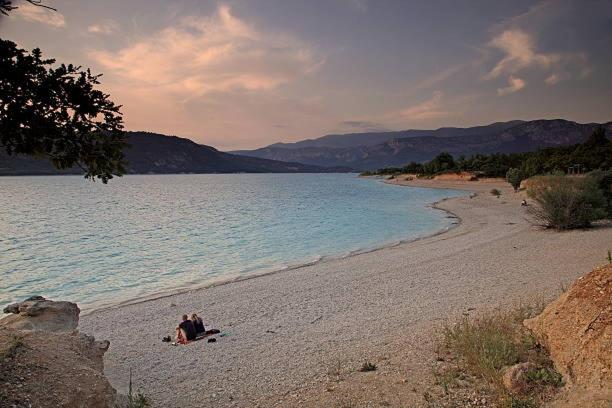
(297, 337)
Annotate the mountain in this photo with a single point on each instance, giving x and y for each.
(369, 151)
(374, 138)
(151, 153)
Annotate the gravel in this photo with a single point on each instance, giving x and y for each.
(283, 331)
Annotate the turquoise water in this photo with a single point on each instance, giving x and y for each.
(98, 245)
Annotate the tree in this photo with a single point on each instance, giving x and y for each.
(6, 6)
(514, 177)
(57, 113)
(442, 162)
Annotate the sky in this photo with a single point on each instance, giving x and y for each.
(241, 74)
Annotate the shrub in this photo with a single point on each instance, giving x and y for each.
(495, 192)
(138, 400)
(566, 202)
(544, 376)
(484, 345)
(477, 350)
(604, 182)
(514, 177)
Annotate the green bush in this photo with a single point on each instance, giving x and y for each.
(485, 345)
(604, 182)
(514, 177)
(567, 202)
(477, 350)
(544, 376)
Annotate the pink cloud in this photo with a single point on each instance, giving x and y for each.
(520, 53)
(514, 85)
(429, 109)
(220, 53)
(36, 14)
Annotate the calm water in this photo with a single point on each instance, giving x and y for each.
(66, 238)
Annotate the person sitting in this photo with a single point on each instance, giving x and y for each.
(185, 331)
(198, 323)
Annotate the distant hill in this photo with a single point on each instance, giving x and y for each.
(151, 153)
(374, 138)
(369, 151)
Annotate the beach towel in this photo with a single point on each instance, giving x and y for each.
(180, 337)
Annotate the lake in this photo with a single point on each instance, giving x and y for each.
(99, 245)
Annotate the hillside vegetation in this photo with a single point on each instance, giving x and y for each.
(595, 153)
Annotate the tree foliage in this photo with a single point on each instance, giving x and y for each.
(57, 113)
(595, 153)
(6, 6)
(514, 177)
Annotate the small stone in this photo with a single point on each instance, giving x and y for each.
(514, 377)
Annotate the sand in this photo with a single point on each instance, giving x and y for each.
(297, 337)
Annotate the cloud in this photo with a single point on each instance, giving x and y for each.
(552, 79)
(363, 126)
(202, 55)
(439, 77)
(514, 85)
(36, 14)
(520, 53)
(429, 109)
(105, 27)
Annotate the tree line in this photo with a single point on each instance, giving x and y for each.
(595, 153)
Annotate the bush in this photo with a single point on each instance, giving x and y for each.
(477, 350)
(138, 400)
(567, 202)
(484, 345)
(544, 376)
(495, 192)
(514, 177)
(604, 182)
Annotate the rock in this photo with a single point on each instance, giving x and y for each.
(577, 330)
(48, 362)
(60, 369)
(514, 377)
(38, 313)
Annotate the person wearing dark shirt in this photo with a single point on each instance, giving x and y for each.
(187, 329)
(198, 323)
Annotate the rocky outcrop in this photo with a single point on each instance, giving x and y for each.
(577, 330)
(45, 362)
(38, 313)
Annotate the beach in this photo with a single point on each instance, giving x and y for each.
(298, 337)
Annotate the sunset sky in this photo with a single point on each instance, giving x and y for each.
(247, 73)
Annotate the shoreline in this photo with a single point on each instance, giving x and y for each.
(305, 332)
(240, 276)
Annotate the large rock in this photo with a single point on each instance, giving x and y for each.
(45, 362)
(38, 313)
(577, 330)
(53, 370)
